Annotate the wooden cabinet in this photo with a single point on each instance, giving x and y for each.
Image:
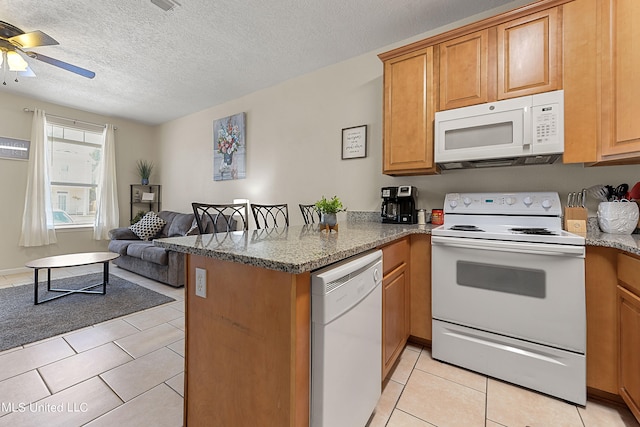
(464, 77)
(629, 335)
(580, 70)
(395, 302)
(409, 108)
(629, 331)
(248, 346)
(516, 58)
(529, 55)
(420, 267)
(620, 83)
(602, 343)
(602, 93)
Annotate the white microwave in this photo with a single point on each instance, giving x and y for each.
(518, 131)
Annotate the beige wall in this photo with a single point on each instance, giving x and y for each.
(293, 155)
(294, 150)
(133, 141)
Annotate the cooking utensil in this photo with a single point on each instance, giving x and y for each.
(610, 192)
(599, 192)
(584, 197)
(620, 192)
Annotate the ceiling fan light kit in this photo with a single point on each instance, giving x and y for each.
(14, 41)
(14, 61)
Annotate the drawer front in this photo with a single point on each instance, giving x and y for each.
(629, 272)
(394, 255)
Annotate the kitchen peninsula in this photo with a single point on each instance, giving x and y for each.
(247, 342)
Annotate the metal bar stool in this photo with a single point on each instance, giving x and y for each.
(309, 213)
(220, 218)
(268, 216)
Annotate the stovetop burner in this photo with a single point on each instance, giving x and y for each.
(534, 230)
(464, 227)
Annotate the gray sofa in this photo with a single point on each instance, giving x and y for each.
(156, 263)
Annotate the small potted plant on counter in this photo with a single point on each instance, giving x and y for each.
(144, 170)
(328, 209)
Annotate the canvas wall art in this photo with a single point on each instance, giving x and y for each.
(229, 148)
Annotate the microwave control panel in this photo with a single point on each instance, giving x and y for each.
(545, 124)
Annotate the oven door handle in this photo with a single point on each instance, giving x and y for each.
(503, 246)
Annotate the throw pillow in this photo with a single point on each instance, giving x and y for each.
(148, 226)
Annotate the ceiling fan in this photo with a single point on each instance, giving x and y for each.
(14, 44)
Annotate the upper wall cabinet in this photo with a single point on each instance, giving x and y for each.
(529, 55)
(464, 77)
(620, 83)
(602, 91)
(409, 108)
(519, 57)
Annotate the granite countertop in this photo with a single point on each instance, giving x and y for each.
(294, 249)
(297, 249)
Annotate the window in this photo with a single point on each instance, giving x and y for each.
(74, 171)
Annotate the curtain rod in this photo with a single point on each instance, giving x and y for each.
(28, 110)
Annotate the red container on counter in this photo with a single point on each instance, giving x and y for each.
(437, 217)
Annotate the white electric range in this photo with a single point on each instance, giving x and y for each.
(508, 294)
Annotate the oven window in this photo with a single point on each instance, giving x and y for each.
(512, 280)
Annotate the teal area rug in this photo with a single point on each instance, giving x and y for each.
(22, 322)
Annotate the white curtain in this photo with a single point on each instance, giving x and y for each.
(37, 218)
(107, 214)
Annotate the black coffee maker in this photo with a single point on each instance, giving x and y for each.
(399, 205)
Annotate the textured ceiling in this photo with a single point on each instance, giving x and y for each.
(153, 66)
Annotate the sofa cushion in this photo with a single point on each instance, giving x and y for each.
(168, 216)
(148, 226)
(147, 252)
(122, 233)
(120, 246)
(181, 225)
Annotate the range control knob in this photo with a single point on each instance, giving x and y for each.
(546, 203)
(528, 201)
(466, 201)
(453, 203)
(510, 200)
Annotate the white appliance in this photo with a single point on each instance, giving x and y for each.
(508, 291)
(518, 131)
(346, 341)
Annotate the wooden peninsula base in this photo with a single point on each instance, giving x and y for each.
(247, 346)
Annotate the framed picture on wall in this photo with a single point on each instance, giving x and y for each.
(354, 142)
(229, 148)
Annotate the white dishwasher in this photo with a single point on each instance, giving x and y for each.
(346, 341)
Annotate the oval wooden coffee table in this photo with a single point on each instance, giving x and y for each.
(71, 260)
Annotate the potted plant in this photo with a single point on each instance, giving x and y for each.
(144, 170)
(328, 209)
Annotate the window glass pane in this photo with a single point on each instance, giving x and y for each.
(75, 160)
(56, 131)
(93, 138)
(73, 205)
(73, 134)
(74, 163)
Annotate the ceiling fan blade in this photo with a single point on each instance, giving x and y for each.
(61, 64)
(33, 39)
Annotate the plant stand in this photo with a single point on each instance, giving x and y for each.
(328, 227)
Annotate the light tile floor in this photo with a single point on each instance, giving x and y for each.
(130, 372)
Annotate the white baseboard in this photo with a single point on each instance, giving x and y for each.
(19, 270)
